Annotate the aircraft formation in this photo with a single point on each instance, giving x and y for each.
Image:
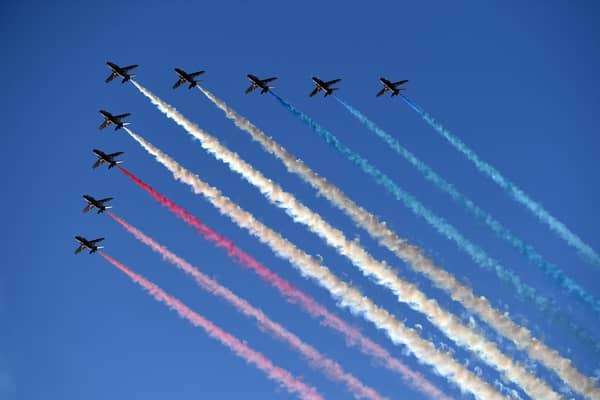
(190, 79)
(346, 294)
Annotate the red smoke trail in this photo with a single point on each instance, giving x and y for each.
(331, 368)
(287, 380)
(353, 336)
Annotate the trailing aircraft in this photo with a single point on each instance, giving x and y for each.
(185, 77)
(324, 86)
(106, 158)
(391, 86)
(123, 72)
(100, 204)
(113, 119)
(91, 245)
(259, 83)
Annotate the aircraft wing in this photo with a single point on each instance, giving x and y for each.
(268, 80)
(251, 88)
(104, 124)
(381, 92)
(79, 249)
(178, 83)
(87, 208)
(102, 201)
(98, 163)
(195, 74)
(122, 116)
(315, 91)
(117, 154)
(332, 82)
(111, 77)
(129, 67)
(400, 82)
(96, 240)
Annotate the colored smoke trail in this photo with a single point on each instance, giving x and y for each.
(346, 295)
(279, 375)
(353, 336)
(557, 275)
(329, 367)
(444, 228)
(448, 323)
(510, 188)
(405, 292)
(413, 256)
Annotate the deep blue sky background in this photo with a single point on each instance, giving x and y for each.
(517, 82)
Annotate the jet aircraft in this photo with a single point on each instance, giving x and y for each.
(391, 86)
(185, 77)
(324, 86)
(259, 83)
(106, 158)
(113, 119)
(91, 245)
(100, 204)
(123, 72)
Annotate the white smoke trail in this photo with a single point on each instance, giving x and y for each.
(385, 276)
(347, 296)
(415, 258)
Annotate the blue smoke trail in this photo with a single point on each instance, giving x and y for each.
(477, 254)
(513, 190)
(553, 271)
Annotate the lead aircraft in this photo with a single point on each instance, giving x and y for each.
(123, 72)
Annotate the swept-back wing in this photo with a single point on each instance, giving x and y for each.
(87, 208)
(79, 249)
(96, 240)
(315, 91)
(111, 77)
(195, 74)
(104, 124)
(400, 82)
(178, 83)
(130, 67)
(381, 92)
(332, 82)
(98, 163)
(268, 80)
(251, 88)
(122, 116)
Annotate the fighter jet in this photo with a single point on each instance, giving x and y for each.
(123, 72)
(259, 83)
(91, 245)
(106, 158)
(93, 203)
(185, 77)
(325, 86)
(113, 119)
(391, 86)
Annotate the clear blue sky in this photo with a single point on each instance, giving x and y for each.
(517, 82)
